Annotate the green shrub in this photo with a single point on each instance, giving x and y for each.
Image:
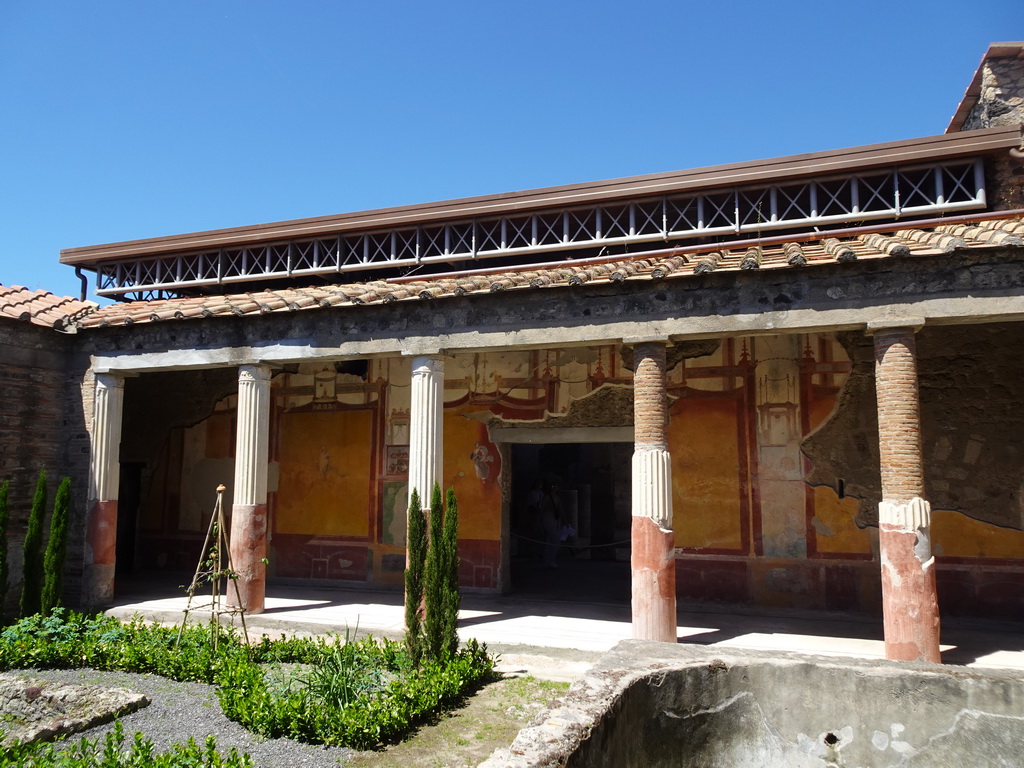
(415, 563)
(435, 579)
(56, 548)
(89, 753)
(451, 598)
(5, 518)
(442, 578)
(32, 565)
(334, 706)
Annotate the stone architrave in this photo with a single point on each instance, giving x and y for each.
(910, 608)
(653, 540)
(425, 425)
(248, 540)
(104, 477)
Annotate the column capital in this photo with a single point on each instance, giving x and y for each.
(428, 364)
(254, 372)
(914, 324)
(110, 380)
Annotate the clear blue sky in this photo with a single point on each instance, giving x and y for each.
(123, 120)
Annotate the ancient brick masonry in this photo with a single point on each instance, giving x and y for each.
(909, 604)
(653, 547)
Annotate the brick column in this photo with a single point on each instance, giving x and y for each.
(910, 607)
(426, 412)
(653, 543)
(104, 477)
(249, 506)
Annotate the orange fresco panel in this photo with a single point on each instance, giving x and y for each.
(705, 473)
(835, 528)
(956, 535)
(218, 436)
(325, 473)
(820, 410)
(472, 466)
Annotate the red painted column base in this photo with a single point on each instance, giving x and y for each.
(910, 608)
(100, 554)
(654, 581)
(248, 548)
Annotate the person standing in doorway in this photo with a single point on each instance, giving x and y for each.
(551, 521)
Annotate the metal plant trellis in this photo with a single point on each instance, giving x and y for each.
(214, 567)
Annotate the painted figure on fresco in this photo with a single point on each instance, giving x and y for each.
(482, 459)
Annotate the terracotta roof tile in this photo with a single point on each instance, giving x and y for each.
(42, 307)
(673, 265)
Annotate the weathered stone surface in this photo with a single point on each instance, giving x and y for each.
(971, 386)
(676, 352)
(664, 706)
(32, 710)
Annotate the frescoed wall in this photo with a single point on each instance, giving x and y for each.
(749, 527)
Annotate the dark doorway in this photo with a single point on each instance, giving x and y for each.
(129, 497)
(594, 488)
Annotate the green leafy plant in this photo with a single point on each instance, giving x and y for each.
(451, 597)
(32, 564)
(435, 578)
(56, 548)
(416, 556)
(358, 694)
(441, 593)
(5, 518)
(111, 753)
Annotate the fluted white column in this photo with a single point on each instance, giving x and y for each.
(104, 477)
(652, 555)
(425, 427)
(249, 505)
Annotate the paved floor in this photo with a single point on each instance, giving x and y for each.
(560, 638)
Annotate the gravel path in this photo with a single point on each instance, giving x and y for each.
(180, 710)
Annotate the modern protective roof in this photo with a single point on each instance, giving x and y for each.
(816, 164)
(691, 263)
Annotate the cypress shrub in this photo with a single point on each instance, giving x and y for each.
(435, 579)
(56, 548)
(452, 599)
(32, 584)
(416, 554)
(5, 515)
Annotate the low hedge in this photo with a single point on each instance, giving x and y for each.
(358, 694)
(111, 753)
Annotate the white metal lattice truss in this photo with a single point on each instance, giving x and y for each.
(878, 194)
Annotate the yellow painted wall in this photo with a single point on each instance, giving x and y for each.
(705, 473)
(479, 498)
(324, 487)
(956, 535)
(836, 531)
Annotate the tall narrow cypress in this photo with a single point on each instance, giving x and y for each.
(452, 598)
(435, 579)
(32, 564)
(5, 517)
(415, 562)
(56, 548)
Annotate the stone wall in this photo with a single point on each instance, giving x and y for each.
(1001, 102)
(675, 706)
(32, 419)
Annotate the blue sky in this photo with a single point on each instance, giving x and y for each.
(123, 120)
